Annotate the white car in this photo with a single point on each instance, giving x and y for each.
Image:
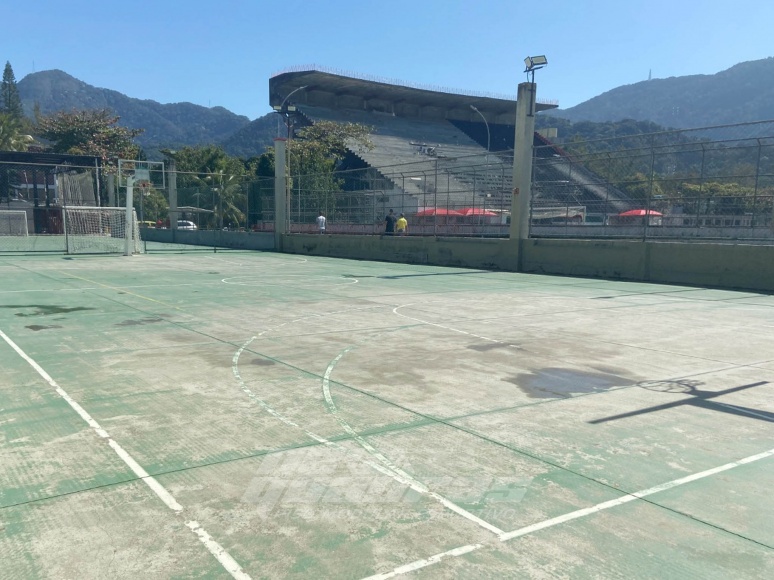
(185, 225)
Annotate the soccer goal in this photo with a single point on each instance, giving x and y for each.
(13, 223)
(98, 230)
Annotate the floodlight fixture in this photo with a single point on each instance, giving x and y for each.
(291, 93)
(286, 110)
(533, 63)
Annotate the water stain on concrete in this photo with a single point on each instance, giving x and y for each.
(36, 327)
(262, 362)
(139, 322)
(46, 309)
(488, 346)
(557, 383)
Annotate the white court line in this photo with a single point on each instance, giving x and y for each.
(266, 280)
(580, 513)
(395, 311)
(399, 474)
(631, 497)
(406, 568)
(264, 263)
(214, 548)
(57, 290)
(386, 467)
(266, 407)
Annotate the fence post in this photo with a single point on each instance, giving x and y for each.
(649, 195)
(280, 192)
(172, 187)
(111, 189)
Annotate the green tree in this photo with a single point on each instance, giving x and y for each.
(209, 178)
(12, 136)
(10, 101)
(261, 187)
(640, 187)
(313, 158)
(154, 205)
(94, 132)
(713, 197)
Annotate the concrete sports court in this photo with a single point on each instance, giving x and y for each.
(260, 415)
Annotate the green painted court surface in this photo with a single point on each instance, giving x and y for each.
(259, 415)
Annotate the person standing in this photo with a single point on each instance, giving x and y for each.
(389, 224)
(321, 223)
(401, 226)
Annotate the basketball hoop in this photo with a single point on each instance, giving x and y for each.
(143, 187)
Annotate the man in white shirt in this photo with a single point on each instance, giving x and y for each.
(321, 223)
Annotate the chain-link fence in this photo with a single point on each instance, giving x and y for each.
(454, 196)
(209, 201)
(33, 195)
(709, 183)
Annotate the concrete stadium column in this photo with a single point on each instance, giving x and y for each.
(172, 188)
(280, 192)
(522, 162)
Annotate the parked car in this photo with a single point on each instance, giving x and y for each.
(185, 225)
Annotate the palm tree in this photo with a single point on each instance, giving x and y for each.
(231, 197)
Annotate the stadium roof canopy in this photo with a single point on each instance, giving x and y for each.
(337, 91)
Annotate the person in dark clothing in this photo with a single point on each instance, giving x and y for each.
(389, 224)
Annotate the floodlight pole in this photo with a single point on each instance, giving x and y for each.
(522, 165)
(280, 192)
(531, 64)
(283, 111)
(488, 137)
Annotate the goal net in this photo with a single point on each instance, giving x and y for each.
(97, 230)
(13, 223)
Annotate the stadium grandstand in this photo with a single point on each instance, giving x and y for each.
(428, 141)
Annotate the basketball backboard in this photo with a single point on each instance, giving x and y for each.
(151, 172)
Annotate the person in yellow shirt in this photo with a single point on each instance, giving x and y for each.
(401, 226)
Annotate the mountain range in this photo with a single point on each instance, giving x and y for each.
(166, 125)
(742, 93)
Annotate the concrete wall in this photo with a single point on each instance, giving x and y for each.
(733, 266)
(222, 239)
(737, 266)
(462, 252)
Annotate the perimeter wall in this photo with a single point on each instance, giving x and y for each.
(732, 266)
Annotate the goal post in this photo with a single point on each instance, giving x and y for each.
(97, 230)
(13, 222)
(129, 214)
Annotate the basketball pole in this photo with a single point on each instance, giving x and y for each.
(129, 229)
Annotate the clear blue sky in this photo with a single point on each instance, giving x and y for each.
(223, 52)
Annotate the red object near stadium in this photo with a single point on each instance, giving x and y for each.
(477, 211)
(431, 211)
(640, 213)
